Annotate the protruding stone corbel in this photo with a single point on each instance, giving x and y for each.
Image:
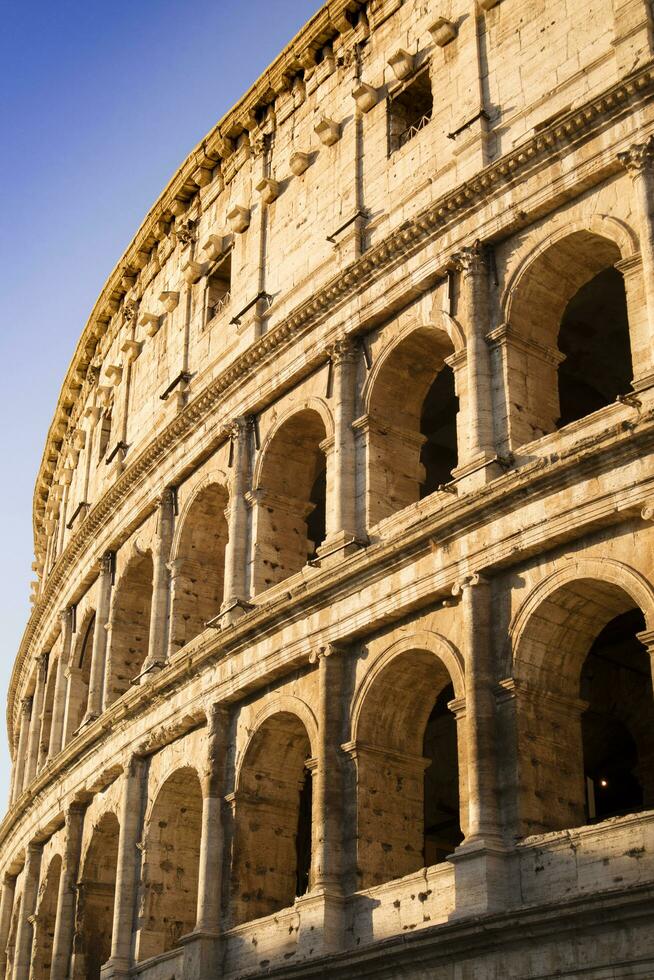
(299, 162)
(169, 299)
(327, 130)
(179, 207)
(114, 373)
(269, 190)
(131, 349)
(366, 97)
(443, 31)
(202, 176)
(223, 146)
(239, 219)
(487, 4)
(150, 322)
(214, 247)
(193, 271)
(160, 229)
(141, 259)
(128, 281)
(401, 63)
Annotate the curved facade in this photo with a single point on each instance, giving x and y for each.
(339, 662)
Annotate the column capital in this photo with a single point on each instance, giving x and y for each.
(321, 653)
(342, 349)
(469, 582)
(646, 637)
(105, 563)
(42, 662)
(638, 158)
(26, 705)
(471, 259)
(166, 499)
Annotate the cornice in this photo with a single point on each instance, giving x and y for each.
(571, 128)
(588, 457)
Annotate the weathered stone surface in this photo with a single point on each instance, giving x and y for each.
(340, 656)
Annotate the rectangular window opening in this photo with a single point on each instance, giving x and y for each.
(409, 110)
(217, 292)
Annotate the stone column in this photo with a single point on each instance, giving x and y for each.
(482, 881)
(6, 909)
(25, 929)
(35, 720)
(638, 161)
(202, 945)
(480, 448)
(61, 685)
(21, 752)
(160, 610)
(327, 863)
(236, 589)
(128, 870)
(342, 530)
(62, 946)
(99, 652)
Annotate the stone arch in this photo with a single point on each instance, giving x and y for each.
(569, 340)
(411, 767)
(198, 562)
(411, 405)
(554, 635)
(269, 866)
(292, 478)
(130, 624)
(95, 899)
(171, 859)
(46, 916)
(79, 675)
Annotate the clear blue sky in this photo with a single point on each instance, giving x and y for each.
(99, 103)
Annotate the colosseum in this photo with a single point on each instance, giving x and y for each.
(340, 657)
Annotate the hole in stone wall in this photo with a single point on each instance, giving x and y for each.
(438, 425)
(409, 110)
(219, 283)
(618, 726)
(442, 824)
(594, 337)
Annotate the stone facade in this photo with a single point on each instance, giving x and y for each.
(339, 663)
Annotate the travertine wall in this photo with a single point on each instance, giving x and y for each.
(339, 662)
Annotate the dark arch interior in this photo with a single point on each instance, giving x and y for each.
(303, 839)
(316, 520)
(594, 337)
(438, 424)
(617, 727)
(441, 801)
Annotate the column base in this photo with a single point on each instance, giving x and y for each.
(337, 547)
(114, 970)
(154, 668)
(202, 956)
(478, 471)
(230, 612)
(483, 879)
(322, 922)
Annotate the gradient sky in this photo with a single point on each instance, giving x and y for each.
(100, 102)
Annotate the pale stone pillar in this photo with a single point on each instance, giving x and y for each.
(62, 946)
(482, 878)
(128, 870)
(35, 720)
(638, 161)
(61, 685)
(211, 848)
(25, 929)
(160, 610)
(236, 589)
(342, 530)
(327, 863)
(99, 652)
(6, 909)
(480, 448)
(21, 752)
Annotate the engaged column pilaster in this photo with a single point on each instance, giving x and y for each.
(236, 590)
(25, 928)
(62, 946)
(99, 652)
(160, 610)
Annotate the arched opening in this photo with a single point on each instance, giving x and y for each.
(171, 861)
(594, 337)
(271, 862)
(46, 915)
(408, 813)
(79, 675)
(569, 310)
(95, 901)
(412, 416)
(585, 712)
(130, 626)
(46, 714)
(199, 566)
(290, 524)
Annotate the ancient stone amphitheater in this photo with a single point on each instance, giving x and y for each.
(339, 658)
